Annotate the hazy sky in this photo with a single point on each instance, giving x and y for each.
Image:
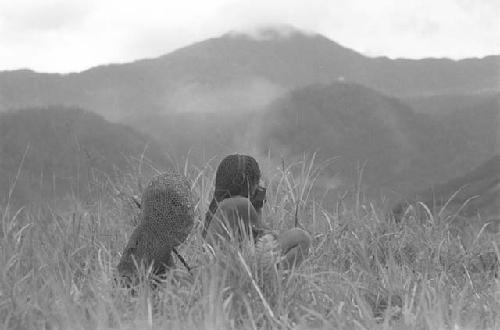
(73, 35)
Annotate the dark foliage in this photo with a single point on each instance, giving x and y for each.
(66, 149)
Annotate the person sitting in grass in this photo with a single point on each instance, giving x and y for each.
(235, 212)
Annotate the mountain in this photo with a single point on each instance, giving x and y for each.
(66, 150)
(480, 122)
(475, 193)
(236, 72)
(445, 104)
(349, 121)
(403, 150)
(464, 137)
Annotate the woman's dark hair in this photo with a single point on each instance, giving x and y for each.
(234, 176)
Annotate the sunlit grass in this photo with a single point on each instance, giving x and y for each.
(57, 266)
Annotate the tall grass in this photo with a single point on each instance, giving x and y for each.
(364, 272)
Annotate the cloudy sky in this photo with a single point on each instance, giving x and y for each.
(73, 35)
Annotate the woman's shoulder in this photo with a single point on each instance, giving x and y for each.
(237, 202)
(238, 207)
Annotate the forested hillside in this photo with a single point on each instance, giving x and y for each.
(404, 151)
(474, 195)
(62, 151)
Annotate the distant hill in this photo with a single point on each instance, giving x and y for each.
(404, 150)
(445, 104)
(466, 136)
(66, 150)
(238, 73)
(474, 193)
(350, 121)
(480, 122)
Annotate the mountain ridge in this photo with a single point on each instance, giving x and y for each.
(215, 65)
(475, 192)
(276, 32)
(404, 149)
(67, 151)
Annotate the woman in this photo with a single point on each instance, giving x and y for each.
(235, 212)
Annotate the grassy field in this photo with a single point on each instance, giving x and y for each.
(57, 265)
